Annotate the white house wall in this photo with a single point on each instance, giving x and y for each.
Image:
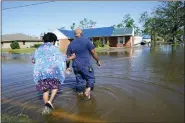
(59, 34)
(147, 40)
(5, 45)
(137, 39)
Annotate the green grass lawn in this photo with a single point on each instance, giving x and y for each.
(30, 50)
(5, 49)
(99, 49)
(22, 50)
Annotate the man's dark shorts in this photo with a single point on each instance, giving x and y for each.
(84, 74)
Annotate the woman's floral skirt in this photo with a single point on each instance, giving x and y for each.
(48, 84)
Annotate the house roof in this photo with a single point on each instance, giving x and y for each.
(92, 32)
(19, 36)
(146, 37)
(122, 31)
(100, 32)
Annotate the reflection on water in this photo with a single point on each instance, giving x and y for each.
(141, 84)
(8, 57)
(126, 52)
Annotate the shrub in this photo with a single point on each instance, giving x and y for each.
(15, 45)
(98, 43)
(106, 45)
(36, 45)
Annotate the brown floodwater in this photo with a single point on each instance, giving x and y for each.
(144, 84)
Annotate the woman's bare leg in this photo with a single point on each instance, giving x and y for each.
(45, 97)
(53, 93)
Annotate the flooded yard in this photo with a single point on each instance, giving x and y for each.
(143, 84)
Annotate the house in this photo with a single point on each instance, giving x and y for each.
(63, 40)
(114, 37)
(146, 38)
(122, 37)
(25, 41)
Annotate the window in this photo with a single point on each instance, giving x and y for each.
(23, 42)
(103, 39)
(121, 40)
(106, 39)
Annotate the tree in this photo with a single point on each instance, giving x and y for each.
(146, 22)
(73, 26)
(85, 23)
(92, 23)
(137, 31)
(149, 24)
(128, 22)
(144, 17)
(170, 19)
(15, 45)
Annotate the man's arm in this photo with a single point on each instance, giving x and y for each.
(91, 49)
(95, 56)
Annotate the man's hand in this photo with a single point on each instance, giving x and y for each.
(73, 56)
(98, 63)
(68, 71)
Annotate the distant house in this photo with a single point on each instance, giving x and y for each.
(25, 41)
(114, 37)
(122, 37)
(146, 38)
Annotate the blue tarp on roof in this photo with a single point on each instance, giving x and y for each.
(146, 37)
(92, 32)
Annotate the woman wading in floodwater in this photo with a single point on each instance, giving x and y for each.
(49, 70)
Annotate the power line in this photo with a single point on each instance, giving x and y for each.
(26, 5)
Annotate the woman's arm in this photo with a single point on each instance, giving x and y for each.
(68, 70)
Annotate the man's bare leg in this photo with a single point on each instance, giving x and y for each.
(87, 93)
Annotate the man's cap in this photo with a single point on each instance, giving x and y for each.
(78, 31)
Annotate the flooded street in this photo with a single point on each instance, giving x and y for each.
(139, 85)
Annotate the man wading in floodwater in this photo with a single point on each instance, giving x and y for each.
(83, 49)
